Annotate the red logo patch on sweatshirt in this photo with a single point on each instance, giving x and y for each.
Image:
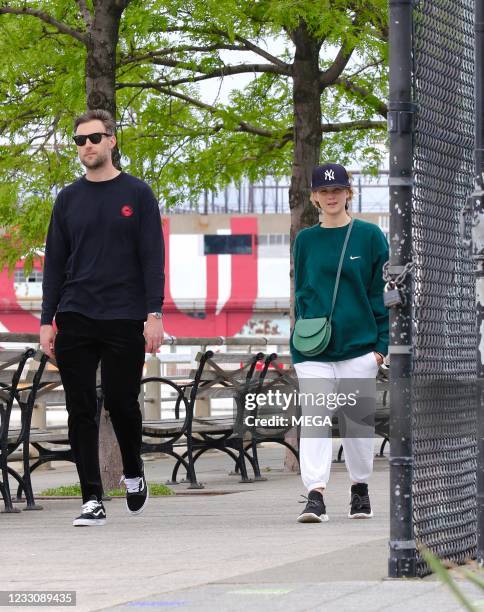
(127, 211)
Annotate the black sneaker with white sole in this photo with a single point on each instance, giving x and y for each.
(92, 513)
(137, 494)
(360, 507)
(315, 510)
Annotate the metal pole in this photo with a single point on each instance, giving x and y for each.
(359, 194)
(478, 255)
(400, 125)
(251, 197)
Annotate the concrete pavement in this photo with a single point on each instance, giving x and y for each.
(237, 550)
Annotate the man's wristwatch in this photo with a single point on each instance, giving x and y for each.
(157, 315)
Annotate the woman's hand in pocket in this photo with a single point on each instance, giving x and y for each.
(378, 357)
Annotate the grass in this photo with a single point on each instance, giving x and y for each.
(156, 490)
(439, 568)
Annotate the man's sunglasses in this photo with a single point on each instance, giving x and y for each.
(80, 139)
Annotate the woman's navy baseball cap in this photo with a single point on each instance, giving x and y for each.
(329, 175)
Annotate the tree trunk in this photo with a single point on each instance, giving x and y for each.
(101, 59)
(307, 144)
(101, 93)
(110, 462)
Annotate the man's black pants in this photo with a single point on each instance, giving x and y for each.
(80, 344)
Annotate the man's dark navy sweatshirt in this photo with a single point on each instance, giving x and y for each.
(104, 254)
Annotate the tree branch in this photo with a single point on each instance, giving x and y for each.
(265, 54)
(379, 106)
(363, 68)
(247, 44)
(330, 127)
(221, 72)
(384, 33)
(120, 5)
(171, 50)
(334, 71)
(168, 92)
(343, 57)
(343, 126)
(245, 127)
(86, 14)
(61, 27)
(224, 70)
(346, 126)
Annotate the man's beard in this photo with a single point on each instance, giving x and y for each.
(94, 162)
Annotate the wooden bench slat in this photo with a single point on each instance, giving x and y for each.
(49, 434)
(217, 393)
(50, 437)
(212, 428)
(169, 426)
(240, 359)
(210, 375)
(9, 354)
(49, 376)
(235, 360)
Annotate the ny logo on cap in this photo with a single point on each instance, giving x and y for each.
(329, 175)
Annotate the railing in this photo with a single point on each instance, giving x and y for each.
(271, 196)
(173, 340)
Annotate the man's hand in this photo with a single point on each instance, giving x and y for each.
(153, 334)
(47, 337)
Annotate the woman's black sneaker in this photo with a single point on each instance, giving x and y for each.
(315, 510)
(137, 494)
(360, 507)
(92, 513)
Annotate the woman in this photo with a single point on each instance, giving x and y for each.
(359, 332)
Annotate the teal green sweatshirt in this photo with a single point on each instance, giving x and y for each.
(360, 319)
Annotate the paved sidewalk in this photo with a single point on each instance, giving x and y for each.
(241, 550)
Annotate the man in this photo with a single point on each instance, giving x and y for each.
(103, 277)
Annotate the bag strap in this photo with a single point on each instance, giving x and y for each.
(340, 265)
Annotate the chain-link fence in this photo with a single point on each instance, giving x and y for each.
(443, 313)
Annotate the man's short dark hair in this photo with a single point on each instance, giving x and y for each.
(100, 114)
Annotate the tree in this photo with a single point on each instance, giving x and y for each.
(328, 80)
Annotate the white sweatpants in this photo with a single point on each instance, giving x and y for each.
(315, 453)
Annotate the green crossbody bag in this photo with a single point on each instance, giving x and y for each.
(312, 336)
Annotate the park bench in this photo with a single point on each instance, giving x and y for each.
(159, 435)
(47, 443)
(168, 435)
(219, 375)
(277, 374)
(12, 365)
(50, 442)
(18, 388)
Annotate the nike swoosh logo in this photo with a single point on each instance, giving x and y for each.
(355, 257)
(98, 512)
